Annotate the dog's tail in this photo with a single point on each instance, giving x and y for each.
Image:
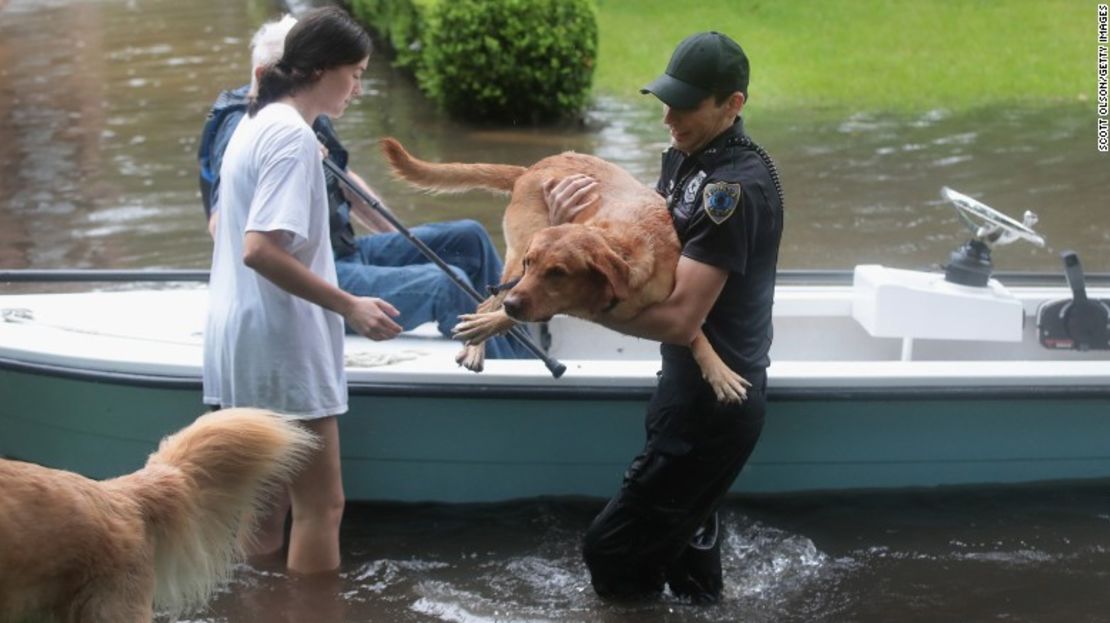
(449, 177)
(199, 488)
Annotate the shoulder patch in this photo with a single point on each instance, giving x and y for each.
(720, 200)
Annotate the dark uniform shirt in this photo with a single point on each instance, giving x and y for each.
(228, 110)
(739, 234)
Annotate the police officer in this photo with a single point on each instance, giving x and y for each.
(725, 198)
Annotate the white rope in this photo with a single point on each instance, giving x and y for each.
(374, 360)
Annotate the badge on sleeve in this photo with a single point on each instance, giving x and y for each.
(720, 200)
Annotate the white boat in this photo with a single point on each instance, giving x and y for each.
(880, 378)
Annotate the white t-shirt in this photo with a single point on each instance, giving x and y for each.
(264, 347)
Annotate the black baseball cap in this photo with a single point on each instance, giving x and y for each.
(704, 64)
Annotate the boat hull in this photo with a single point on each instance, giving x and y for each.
(483, 443)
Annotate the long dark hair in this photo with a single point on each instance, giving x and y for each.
(323, 39)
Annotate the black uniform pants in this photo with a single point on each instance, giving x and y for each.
(661, 527)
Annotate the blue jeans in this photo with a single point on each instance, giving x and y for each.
(390, 267)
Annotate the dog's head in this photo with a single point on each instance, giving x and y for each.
(568, 269)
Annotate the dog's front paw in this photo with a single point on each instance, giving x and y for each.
(472, 357)
(479, 327)
(729, 386)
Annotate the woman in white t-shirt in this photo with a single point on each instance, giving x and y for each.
(274, 337)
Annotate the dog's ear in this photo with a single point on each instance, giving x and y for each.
(615, 270)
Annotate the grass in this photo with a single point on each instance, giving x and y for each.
(874, 55)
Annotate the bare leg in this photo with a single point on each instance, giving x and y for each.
(268, 535)
(317, 497)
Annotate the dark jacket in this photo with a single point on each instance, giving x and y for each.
(228, 110)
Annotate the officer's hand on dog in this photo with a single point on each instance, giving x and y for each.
(373, 318)
(568, 196)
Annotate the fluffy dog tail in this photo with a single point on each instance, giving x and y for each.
(449, 177)
(199, 488)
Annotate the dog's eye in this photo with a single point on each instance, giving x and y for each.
(555, 272)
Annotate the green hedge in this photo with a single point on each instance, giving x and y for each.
(513, 61)
(399, 24)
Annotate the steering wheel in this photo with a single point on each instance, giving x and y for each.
(994, 226)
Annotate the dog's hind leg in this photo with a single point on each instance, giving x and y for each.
(123, 598)
(727, 385)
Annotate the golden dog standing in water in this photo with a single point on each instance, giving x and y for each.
(613, 259)
(82, 551)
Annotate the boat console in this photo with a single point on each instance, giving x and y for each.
(908, 304)
(964, 303)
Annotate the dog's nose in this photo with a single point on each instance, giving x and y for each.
(513, 306)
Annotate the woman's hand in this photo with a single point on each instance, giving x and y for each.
(264, 251)
(373, 318)
(568, 196)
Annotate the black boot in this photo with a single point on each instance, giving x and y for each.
(696, 575)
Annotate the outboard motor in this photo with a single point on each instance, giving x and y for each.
(1078, 323)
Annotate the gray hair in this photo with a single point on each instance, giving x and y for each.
(268, 44)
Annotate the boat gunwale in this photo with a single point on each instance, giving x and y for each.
(788, 384)
(606, 393)
(784, 277)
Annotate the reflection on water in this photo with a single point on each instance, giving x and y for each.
(873, 185)
(516, 562)
(1020, 554)
(98, 140)
(92, 173)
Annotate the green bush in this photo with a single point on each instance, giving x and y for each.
(514, 61)
(399, 24)
(518, 61)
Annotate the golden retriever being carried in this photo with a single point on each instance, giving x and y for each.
(614, 258)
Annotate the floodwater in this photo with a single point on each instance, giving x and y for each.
(1033, 554)
(100, 105)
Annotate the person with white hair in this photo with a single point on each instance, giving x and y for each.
(383, 263)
